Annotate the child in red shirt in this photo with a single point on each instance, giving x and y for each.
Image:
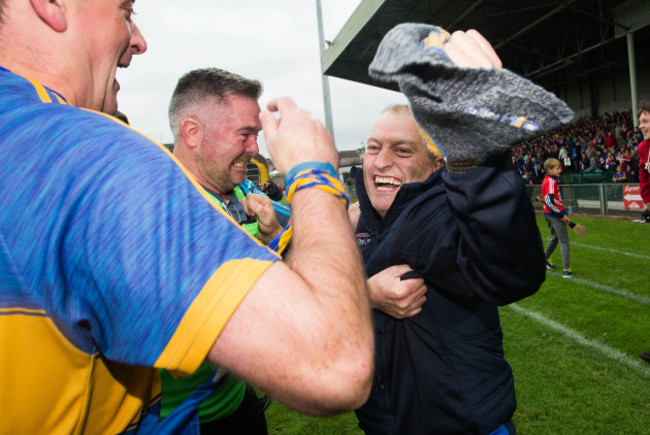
(555, 215)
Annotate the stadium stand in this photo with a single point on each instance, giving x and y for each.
(582, 147)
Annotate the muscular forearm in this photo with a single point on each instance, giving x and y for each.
(325, 255)
(303, 332)
(307, 320)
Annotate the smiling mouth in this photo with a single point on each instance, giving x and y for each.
(239, 164)
(387, 183)
(119, 66)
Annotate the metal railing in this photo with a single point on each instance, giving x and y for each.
(598, 198)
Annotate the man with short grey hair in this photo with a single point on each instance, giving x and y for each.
(214, 116)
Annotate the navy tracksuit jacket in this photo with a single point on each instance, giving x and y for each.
(474, 239)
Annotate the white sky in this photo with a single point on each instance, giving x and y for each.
(273, 41)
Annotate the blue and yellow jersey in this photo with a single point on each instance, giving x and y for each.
(102, 282)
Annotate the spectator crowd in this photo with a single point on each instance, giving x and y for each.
(588, 145)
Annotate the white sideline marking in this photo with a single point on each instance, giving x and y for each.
(613, 251)
(605, 288)
(599, 248)
(574, 335)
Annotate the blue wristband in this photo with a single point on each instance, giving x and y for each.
(326, 166)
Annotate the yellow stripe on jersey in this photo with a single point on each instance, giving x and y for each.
(59, 99)
(118, 406)
(40, 90)
(208, 314)
(17, 310)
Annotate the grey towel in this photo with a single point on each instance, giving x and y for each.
(464, 113)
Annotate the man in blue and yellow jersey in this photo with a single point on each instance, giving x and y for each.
(102, 283)
(215, 118)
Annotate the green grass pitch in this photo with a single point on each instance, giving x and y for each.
(574, 346)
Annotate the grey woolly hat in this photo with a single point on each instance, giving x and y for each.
(464, 113)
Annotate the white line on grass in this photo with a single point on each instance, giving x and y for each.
(576, 336)
(600, 248)
(613, 251)
(605, 288)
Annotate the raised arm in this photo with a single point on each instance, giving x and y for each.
(303, 333)
(471, 110)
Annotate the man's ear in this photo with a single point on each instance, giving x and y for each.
(52, 13)
(192, 132)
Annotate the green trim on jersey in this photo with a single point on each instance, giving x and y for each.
(221, 404)
(251, 228)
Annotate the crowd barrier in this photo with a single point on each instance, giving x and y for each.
(595, 198)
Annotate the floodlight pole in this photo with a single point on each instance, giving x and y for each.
(633, 86)
(329, 125)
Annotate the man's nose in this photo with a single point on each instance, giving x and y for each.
(252, 147)
(137, 43)
(384, 158)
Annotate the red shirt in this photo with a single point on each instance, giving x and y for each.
(552, 197)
